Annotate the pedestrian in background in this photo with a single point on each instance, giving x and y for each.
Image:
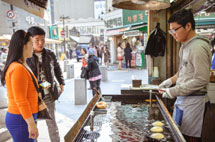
(96, 51)
(22, 96)
(120, 54)
(45, 67)
(94, 73)
(78, 54)
(70, 53)
(85, 57)
(128, 56)
(106, 53)
(100, 52)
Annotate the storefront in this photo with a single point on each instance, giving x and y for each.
(137, 37)
(4, 41)
(133, 31)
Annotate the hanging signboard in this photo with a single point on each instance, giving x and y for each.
(134, 16)
(53, 32)
(28, 6)
(132, 33)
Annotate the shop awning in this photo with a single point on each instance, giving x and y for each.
(117, 31)
(205, 23)
(139, 26)
(82, 39)
(75, 39)
(5, 38)
(120, 30)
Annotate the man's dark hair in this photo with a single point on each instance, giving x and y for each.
(35, 30)
(183, 17)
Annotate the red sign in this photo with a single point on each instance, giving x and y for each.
(11, 14)
(62, 33)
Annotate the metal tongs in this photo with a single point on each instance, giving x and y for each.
(91, 120)
(159, 92)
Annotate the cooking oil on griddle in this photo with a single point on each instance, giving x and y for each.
(128, 123)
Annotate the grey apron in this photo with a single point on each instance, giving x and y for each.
(189, 113)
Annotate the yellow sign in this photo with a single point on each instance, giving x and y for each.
(28, 6)
(62, 56)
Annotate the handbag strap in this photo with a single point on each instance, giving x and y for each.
(33, 79)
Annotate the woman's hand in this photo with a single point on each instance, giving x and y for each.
(33, 131)
(32, 128)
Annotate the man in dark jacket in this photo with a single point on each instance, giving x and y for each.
(45, 67)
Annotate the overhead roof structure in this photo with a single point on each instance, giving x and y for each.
(82, 39)
(36, 7)
(195, 5)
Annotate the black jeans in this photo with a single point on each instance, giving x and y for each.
(95, 85)
(128, 61)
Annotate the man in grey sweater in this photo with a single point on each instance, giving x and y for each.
(192, 77)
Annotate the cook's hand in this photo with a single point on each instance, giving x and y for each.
(166, 94)
(33, 131)
(165, 84)
(61, 88)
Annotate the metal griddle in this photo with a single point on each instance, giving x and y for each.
(76, 133)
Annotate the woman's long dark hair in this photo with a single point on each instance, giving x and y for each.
(17, 42)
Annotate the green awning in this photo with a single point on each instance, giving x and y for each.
(117, 30)
(205, 22)
(139, 26)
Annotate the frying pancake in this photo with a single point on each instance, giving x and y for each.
(156, 129)
(158, 124)
(157, 136)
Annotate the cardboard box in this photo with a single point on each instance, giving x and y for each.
(136, 83)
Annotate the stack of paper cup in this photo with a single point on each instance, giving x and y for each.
(155, 72)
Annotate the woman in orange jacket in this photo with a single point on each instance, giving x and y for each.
(85, 57)
(22, 96)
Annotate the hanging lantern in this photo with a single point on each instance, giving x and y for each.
(141, 4)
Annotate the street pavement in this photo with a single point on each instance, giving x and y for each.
(67, 112)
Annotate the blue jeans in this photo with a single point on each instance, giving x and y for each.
(18, 128)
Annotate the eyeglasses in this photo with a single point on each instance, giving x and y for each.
(173, 31)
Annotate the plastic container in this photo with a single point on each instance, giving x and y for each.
(155, 72)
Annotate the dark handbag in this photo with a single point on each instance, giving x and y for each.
(43, 112)
(84, 73)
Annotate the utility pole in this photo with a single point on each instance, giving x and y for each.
(64, 39)
(13, 23)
